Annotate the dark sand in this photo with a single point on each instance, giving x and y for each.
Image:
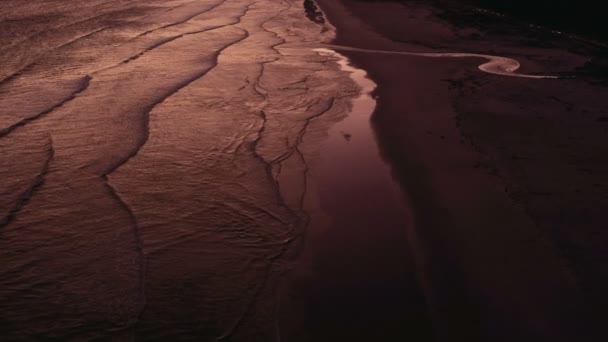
(505, 176)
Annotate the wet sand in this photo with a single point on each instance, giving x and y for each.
(246, 192)
(491, 269)
(236, 193)
(355, 278)
(154, 161)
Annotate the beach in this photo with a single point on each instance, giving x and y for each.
(154, 164)
(239, 170)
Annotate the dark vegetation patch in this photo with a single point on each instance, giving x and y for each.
(313, 12)
(585, 17)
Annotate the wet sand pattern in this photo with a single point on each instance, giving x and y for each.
(154, 164)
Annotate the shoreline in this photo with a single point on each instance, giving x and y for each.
(354, 276)
(434, 148)
(288, 191)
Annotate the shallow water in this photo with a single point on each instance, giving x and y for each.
(163, 162)
(356, 278)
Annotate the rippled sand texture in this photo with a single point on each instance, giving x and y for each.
(153, 163)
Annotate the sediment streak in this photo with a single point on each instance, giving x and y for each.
(496, 65)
